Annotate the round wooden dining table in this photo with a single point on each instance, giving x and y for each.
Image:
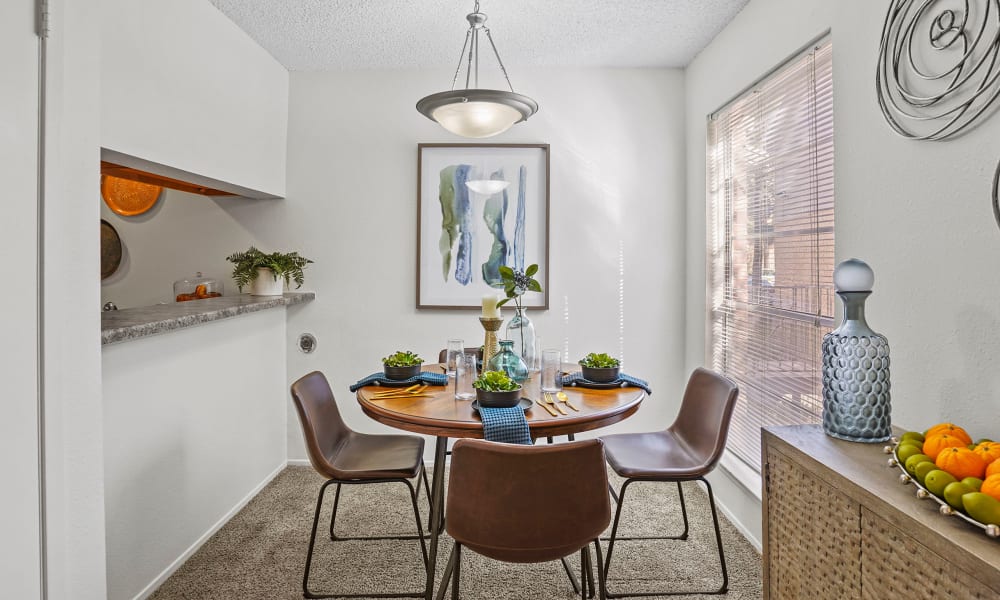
(436, 412)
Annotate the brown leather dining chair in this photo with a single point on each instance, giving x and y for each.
(443, 354)
(490, 483)
(344, 456)
(688, 450)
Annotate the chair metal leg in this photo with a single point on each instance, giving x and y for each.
(307, 593)
(437, 511)
(446, 576)
(569, 573)
(586, 573)
(602, 586)
(336, 538)
(681, 536)
(312, 542)
(603, 572)
(457, 573)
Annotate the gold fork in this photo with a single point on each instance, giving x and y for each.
(565, 400)
(547, 408)
(548, 398)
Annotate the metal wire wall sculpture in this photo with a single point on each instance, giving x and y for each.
(939, 66)
(996, 195)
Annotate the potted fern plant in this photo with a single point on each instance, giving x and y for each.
(267, 274)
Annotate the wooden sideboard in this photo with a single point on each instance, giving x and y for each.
(838, 525)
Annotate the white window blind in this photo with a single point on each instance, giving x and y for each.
(770, 191)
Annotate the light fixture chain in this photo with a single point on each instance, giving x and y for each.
(472, 49)
(497, 54)
(461, 57)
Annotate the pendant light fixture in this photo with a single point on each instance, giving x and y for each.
(474, 112)
(487, 187)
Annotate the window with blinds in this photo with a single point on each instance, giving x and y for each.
(770, 191)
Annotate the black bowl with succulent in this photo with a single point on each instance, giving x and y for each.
(401, 365)
(495, 389)
(600, 368)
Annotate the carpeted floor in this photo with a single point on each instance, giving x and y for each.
(260, 553)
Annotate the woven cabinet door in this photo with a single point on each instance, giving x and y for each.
(897, 566)
(814, 536)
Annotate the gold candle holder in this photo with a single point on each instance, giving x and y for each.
(490, 346)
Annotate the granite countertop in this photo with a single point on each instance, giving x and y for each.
(133, 323)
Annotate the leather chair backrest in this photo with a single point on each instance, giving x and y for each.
(443, 354)
(527, 503)
(323, 428)
(706, 410)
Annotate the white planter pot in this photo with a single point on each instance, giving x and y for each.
(265, 284)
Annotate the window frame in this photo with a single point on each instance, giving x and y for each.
(742, 470)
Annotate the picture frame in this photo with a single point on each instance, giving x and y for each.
(463, 235)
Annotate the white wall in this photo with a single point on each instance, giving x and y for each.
(182, 86)
(71, 368)
(20, 511)
(181, 235)
(617, 182)
(918, 212)
(194, 424)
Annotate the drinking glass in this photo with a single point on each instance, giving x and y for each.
(536, 356)
(454, 352)
(465, 374)
(551, 370)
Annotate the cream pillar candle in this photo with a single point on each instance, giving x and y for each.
(490, 309)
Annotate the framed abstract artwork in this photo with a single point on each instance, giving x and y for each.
(480, 206)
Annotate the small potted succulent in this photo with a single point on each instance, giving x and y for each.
(267, 274)
(494, 389)
(600, 368)
(401, 365)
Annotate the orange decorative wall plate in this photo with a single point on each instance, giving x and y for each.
(128, 198)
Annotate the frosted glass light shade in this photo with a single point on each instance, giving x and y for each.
(487, 187)
(476, 119)
(853, 275)
(477, 113)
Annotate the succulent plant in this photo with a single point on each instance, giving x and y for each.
(599, 361)
(495, 381)
(402, 359)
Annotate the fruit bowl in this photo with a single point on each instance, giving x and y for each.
(992, 531)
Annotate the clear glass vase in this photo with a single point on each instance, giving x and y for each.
(509, 362)
(521, 331)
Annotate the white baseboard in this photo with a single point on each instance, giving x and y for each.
(149, 589)
(740, 527)
(299, 462)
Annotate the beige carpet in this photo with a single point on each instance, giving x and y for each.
(260, 553)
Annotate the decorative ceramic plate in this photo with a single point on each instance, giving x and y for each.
(111, 250)
(524, 403)
(128, 198)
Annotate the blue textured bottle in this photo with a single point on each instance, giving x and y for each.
(509, 362)
(856, 398)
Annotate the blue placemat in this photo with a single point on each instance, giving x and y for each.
(507, 425)
(627, 380)
(424, 377)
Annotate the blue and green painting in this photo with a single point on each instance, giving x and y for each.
(458, 234)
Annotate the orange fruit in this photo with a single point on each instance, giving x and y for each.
(960, 462)
(989, 451)
(938, 442)
(993, 468)
(950, 429)
(991, 486)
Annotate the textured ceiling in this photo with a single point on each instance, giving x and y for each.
(322, 35)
